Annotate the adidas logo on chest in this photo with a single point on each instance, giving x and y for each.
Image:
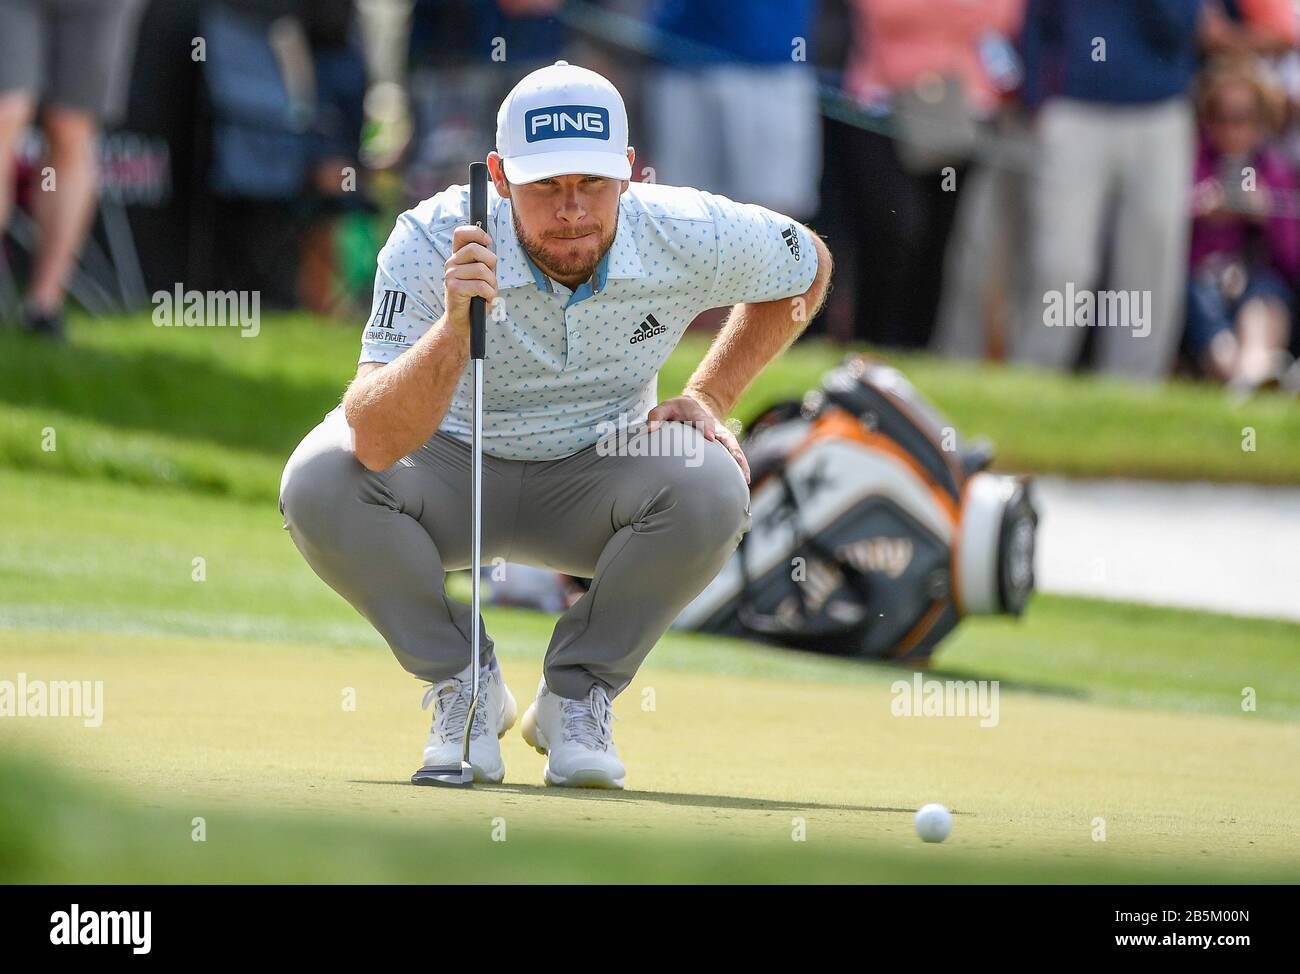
(648, 328)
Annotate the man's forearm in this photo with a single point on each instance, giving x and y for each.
(752, 336)
(393, 410)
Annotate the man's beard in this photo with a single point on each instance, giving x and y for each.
(560, 261)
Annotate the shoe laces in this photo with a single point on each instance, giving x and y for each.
(451, 699)
(589, 722)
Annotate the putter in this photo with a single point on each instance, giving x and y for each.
(462, 776)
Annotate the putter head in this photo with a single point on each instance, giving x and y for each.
(445, 776)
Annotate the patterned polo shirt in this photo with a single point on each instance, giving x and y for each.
(560, 364)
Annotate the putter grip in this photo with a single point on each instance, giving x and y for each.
(477, 215)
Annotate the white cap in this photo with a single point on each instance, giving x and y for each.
(563, 119)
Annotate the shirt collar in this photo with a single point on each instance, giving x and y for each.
(623, 259)
(515, 269)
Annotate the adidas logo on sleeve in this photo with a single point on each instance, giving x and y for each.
(647, 329)
(791, 237)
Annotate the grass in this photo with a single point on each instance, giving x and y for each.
(211, 411)
(224, 702)
(252, 742)
(206, 410)
(108, 558)
(226, 664)
(1076, 425)
(64, 833)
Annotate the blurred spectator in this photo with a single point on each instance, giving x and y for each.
(931, 75)
(983, 268)
(1109, 80)
(447, 33)
(1249, 26)
(286, 84)
(1245, 236)
(70, 59)
(527, 587)
(603, 46)
(733, 108)
(1284, 63)
(464, 56)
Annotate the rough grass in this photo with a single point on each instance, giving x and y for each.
(209, 410)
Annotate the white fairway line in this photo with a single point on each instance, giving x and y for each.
(1223, 547)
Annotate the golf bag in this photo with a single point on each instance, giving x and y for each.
(875, 527)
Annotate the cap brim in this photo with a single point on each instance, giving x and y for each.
(544, 165)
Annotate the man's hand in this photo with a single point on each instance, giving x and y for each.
(692, 410)
(470, 272)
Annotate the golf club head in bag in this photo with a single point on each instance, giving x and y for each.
(462, 776)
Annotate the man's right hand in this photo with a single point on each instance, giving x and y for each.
(470, 273)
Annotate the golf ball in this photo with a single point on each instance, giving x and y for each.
(933, 823)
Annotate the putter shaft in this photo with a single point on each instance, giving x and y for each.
(476, 496)
(464, 775)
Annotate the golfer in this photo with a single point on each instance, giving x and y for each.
(590, 280)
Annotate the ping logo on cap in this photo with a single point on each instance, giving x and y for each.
(566, 122)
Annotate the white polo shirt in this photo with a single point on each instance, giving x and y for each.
(561, 363)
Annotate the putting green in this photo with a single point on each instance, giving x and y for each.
(225, 665)
(724, 773)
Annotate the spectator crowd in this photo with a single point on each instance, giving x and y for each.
(1106, 184)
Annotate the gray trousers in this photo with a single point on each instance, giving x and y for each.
(1111, 178)
(651, 525)
(747, 110)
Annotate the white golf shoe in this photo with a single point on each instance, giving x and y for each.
(496, 710)
(577, 738)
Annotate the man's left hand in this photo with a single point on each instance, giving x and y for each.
(688, 409)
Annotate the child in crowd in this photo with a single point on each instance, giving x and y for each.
(1245, 244)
